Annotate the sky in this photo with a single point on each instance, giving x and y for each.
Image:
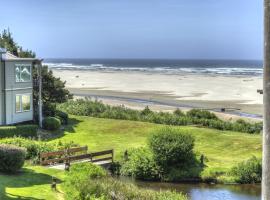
(170, 29)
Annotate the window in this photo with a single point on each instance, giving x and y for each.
(23, 73)
(23, 103)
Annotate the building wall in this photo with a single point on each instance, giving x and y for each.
(12, 88)
(2, 112)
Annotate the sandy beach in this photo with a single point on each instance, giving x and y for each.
(167, 91)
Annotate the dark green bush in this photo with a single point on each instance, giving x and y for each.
(51, 123)
(29, 130)
(62, 116)
(178, 112)
(171, 147)
(193, 117)
(49, 109)
(249, 171)
(201, 114)
(139, 163)
(87, 181)
(169, 157)
(11, 158)
(146, 111)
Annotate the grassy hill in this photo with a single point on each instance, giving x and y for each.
(223, 149)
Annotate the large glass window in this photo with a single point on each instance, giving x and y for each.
(23, 102)
(23, 73)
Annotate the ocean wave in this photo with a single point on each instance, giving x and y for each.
(229, 70)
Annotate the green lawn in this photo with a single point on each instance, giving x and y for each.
(33, 183)
(223, 149)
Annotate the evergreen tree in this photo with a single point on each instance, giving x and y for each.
(53, 89)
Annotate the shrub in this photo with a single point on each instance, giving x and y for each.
(34, 148)
(195, 116)
(178, 112)
(29, 130)
(146, 111)
(49, 109)
(201, 114)
(171, 147)
(139, 163)
(87, 181)
(51, 123)
(62, 116)
(11, 158)
(249, 171)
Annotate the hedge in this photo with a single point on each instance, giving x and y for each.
(29, 130)
(193, 117)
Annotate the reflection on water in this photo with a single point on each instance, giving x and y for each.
(203, 191)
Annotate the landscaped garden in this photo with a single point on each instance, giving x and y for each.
(222, 150)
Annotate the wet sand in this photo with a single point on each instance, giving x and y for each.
(163, 92)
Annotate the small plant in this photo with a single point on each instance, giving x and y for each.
(51, 123)
(62, 116)
(11, 158)
(249, 171)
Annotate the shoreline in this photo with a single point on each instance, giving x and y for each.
(166, 92)
(139, 102)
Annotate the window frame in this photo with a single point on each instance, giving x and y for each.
(21, 102)
(20, 66)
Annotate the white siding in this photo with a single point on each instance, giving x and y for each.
(12, 88)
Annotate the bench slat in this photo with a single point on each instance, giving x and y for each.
(79, 157)
(54, 153)
(100, 153)
(102, 159)
(77, 149)
(55, 160)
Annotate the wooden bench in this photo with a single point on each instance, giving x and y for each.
(76, 154)
(63, 156)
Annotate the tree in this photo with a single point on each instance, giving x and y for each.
(7, 42)
(266, 104)
(53, 90)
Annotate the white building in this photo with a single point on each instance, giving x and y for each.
(16, 88)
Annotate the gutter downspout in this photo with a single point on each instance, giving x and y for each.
(4, 93)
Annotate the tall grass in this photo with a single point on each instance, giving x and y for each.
(90, 182)
(87, 107)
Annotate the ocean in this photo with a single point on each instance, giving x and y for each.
(210, 67)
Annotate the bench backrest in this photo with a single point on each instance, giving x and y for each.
(62, 156)
(99, 156)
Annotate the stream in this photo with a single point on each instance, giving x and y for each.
(202, 191)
